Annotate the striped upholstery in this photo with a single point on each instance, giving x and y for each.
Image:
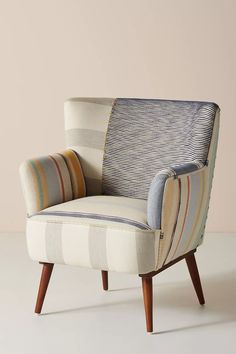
(184, 202)
(156, 191)
(51, 180)
(86, 121)
(146, 136)
(185, 206)
(101, 232)
(148, 168)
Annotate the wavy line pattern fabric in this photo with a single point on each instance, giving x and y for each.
(146, 136)
(51, 180)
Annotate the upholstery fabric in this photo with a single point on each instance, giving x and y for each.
(156, 191)
(145, 136)
(183, 203)
(86, 122)
(185, 207)
(51, 180)
(153, 163)
(102, 232)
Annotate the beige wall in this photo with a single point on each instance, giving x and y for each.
(51, 50)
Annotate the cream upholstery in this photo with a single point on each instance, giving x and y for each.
(131, 192)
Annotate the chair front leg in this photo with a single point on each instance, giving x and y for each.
(192, 267)
(44, 281)
(148, 301)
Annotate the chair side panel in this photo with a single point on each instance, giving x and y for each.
(185, 208)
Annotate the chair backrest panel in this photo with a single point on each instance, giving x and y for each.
(147, 135)
(86, 122)
(123, 143)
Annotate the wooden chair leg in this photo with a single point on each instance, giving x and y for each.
(192, 267)
(44, 281)
(105, 279)
(148, 301)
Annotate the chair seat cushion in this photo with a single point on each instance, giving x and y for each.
(101, 232)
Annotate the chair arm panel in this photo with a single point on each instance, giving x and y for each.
(156, 191)
(51, 180)
(184, 212)
(184, 207)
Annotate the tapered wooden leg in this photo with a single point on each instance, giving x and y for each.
(192, 267)
(44, 281)
(105, 279)
(148, 301)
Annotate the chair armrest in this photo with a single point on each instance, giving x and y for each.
(51, 180)
(156, 191)
(178, 203)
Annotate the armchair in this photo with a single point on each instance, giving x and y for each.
(129, 194)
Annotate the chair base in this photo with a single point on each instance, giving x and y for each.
(146, 285)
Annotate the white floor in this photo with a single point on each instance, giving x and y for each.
(79, 317)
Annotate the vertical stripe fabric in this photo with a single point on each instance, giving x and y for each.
(185, 207)
(86, 122)
(101, 232)
(131, 191)
(51, 180)
(156, 190)
(76, 173)
(94, 246)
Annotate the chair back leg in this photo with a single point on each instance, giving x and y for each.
(105, 279)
